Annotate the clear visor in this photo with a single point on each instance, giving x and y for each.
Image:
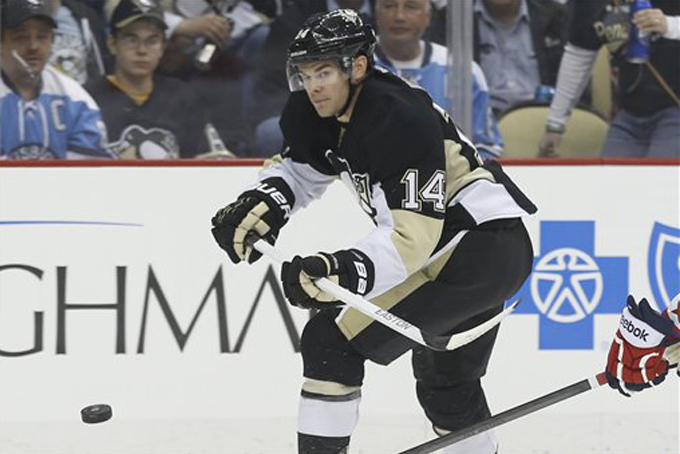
(309, 76)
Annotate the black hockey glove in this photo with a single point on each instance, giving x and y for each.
(259, 212)
(351, 269)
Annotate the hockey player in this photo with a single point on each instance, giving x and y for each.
(45, 115)
(428, 193)
(636, 357)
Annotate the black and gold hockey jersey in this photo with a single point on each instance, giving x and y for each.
(167, 125)
(413, 172)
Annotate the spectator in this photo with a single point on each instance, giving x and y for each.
(213, 49)
(148, 116)
(45, 114)
(401, 50)
(79, 47)
(647, 122)
(270, 87)
(518, 44)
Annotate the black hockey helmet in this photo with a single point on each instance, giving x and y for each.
(15, 12)
(338, 35)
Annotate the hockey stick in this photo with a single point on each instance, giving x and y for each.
(380, 315)
(511, 414)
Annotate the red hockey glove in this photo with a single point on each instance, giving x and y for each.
(635, 360)
(351, 269)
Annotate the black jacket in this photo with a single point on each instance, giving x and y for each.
(170, 124)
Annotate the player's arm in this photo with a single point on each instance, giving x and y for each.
(284, 185)
(287, 182)
(408, 196)
(636, 357)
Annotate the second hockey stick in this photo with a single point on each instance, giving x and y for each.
(380, 315)
(510, 415)
(515, 413)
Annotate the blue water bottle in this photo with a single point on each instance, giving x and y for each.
(544, 94)
(638, 44)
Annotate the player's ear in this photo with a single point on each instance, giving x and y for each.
(359, 68)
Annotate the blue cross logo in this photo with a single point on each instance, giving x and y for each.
(569, 284)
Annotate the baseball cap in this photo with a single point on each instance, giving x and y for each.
(128, 11)
(15, 12)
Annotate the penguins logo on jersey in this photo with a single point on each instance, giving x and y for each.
(31, 151)
(68, 53)
(137, 142)
(358, 183)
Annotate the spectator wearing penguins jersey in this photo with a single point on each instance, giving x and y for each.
(401, 50)
(148, 116)
(45, 114)
(647, 95)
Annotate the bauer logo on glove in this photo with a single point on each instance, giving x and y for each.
(260, 212)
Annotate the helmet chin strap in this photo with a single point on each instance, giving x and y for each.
(350, 95)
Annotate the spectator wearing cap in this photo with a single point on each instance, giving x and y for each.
(45, 114)
(148, 116)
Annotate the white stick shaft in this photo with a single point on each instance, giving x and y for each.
(387, 318)
(367, 308)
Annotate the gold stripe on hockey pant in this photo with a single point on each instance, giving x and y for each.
(352, 322)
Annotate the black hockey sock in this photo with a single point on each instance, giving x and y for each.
(312, 444)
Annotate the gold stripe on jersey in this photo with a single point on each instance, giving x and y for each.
(458, 172)
(352, 322)
(415, 237)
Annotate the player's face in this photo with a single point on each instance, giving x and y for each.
(402, 20)
(31, 42)
(326, 85)
(138, 49)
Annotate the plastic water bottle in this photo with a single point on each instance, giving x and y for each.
(638, 44)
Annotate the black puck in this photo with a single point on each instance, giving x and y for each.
(93, 414)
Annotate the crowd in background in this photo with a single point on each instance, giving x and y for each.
(164, 79)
